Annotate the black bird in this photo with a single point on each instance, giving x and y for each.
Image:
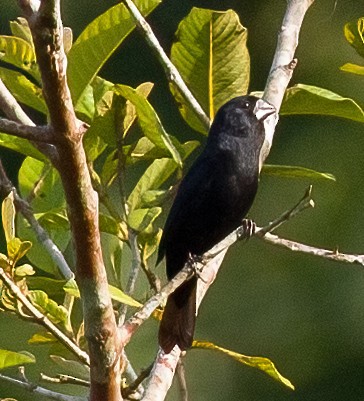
(212, 200)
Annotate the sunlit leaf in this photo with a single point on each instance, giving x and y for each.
(24, 270)
(17, 248)
(306, 99)
(42, 338)
(211, 54)
(8, 216)
(264, 364)
(57, 313)
(154, 176)
(18, 52)
(140, 219)
(24, 90)
(109, 225)
(354, 33)
(10, 358)
(149, 121)
(353, 68)
(20, 28)
(97, 43)
(20, 145)
(295, 172)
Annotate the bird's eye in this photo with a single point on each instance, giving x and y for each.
(246, 105)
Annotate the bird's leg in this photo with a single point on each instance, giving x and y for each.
(197, 263)
(247, 229)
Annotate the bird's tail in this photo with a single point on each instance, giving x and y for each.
(179, 317)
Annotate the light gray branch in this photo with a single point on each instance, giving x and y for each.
(33, 388)
(30, 132)
(171, 71)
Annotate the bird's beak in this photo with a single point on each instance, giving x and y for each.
(266, 113)
(263, 110)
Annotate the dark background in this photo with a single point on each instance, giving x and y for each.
(303, 312)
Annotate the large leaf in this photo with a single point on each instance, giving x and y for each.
(10, 358)
(264, 364)
(306, 99)
(57, 313)
(149, 120)
(354, 33)
(18, 52)
(97, 43)
(211, 54)
(295, 172)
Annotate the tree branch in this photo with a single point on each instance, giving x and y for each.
(33, 388)
(30, 132)
(82, 202)
(171, 71)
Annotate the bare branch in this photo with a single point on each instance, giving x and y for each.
(65, 379)
(33, 388)
(171, 71)
(41, 319)
(284, 62)
(11, 107)
(30, 132)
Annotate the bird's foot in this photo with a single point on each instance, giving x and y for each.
(197, 263)
(247, 229)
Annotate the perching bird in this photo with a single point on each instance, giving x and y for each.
(212, 200)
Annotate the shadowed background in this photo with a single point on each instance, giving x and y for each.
(304, 313)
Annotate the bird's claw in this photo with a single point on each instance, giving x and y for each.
(197, 263)
(247, 229)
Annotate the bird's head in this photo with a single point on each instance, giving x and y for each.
(247, 122)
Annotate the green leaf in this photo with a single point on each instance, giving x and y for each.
(264, 364)
(8, 216)
(306, 99)
(353, 68)
(17, 249)
(149, 121)
(110, 226)
(24, 270)
(42, 338)
(115, 293)
(10, 358)
(24, 91)
(140, 219)
(41, 182)
(20, 145)
(354, 34)
(73, 368)
(20, 29)
(211, 54)
(97, 43)
(57, 313)
(51, 286)
(18, 52)
(154, 176)
(295, 172)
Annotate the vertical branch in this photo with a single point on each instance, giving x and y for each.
(82, 202)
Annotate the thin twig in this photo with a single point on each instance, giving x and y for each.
(41, 319)
(136, 384)
(171, 71)
(25, 209)
(35, 389)
(65, 379)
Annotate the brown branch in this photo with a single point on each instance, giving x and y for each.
(82, 203)
(30, 132)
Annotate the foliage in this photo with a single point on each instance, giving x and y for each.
(126, 138)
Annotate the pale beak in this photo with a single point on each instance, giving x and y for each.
(266, 113)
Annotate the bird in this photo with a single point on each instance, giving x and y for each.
(212, 200)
